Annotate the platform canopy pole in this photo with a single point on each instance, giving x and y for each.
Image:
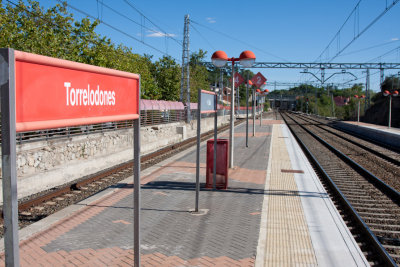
(8, 150)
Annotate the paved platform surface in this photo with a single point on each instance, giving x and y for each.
(268, 216)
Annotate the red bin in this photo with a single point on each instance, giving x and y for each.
(222, 164)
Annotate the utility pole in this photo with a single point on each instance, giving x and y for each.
(367, 89)
(382, 76)
(185, 75)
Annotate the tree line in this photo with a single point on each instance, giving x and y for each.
(54, 32)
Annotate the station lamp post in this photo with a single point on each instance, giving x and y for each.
(219, 59)
(390, 94)
(358, 109)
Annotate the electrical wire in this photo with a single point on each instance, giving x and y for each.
(385, 54)
(205, 39)
(338, 32)
(158, 27)
(368, 48)
(140, 24)
(366, 28)
(238, 40)
(116, 29)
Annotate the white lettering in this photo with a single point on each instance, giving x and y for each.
(72, 96)
(85, 100)
(87, 97)
(67, 86)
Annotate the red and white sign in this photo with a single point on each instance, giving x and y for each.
(238, 79)
(258, 80)
(53, 93)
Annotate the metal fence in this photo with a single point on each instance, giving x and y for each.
(152, 113)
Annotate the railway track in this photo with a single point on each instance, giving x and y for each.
(369, 205)
(43, 204)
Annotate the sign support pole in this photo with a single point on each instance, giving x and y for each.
(254, 112)
(136, 174)
(247, 111)
(215, 142)
(8, 149)
(196, 209)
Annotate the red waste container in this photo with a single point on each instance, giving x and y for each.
(222, 164)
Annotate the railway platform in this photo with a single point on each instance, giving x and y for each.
(275, 212)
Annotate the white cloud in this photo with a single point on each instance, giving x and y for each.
(394, 39)
(159, 34)
(211, 20)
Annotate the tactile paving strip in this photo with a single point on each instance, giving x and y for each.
(288, 238)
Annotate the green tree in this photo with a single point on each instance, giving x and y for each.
(199, 75)
(55, 33)
(167, 76)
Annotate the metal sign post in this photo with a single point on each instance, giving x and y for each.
(254, 111)
(136, 183)
(207, 103)
(8, 149)
(247, 111)
(215, 142)
(196, 207)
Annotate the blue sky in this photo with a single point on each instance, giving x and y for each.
(276, 31)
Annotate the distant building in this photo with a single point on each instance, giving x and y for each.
(341, 100)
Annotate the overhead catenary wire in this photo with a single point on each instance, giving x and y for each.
(205, 39)
(154, 24)
(116, 29)
(238, 40)
(366, 28)
(140, 24)
(338, 32)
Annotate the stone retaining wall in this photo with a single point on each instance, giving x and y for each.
(45, 164)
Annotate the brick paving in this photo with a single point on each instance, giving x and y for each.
(101, 233)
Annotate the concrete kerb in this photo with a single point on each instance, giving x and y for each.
(262, 238)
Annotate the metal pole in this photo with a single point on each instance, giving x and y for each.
(247, 111)
(368, 93)
(215, 143)
(260, 115)
(390, 111)
(136, 177)
(254, 112)
(196, 209)
(231, 129)
(8, 149)
(358, 112)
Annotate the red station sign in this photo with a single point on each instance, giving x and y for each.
(238, 79)
(53, 93)
(258, 80)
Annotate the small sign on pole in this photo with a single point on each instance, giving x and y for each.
(258, 80)
(238, 79)
(206, 104)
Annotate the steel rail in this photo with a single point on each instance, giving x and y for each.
(361, 225)
(392, 148)
(377, 153)
(381, 185)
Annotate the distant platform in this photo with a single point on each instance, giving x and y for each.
(383, 134)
